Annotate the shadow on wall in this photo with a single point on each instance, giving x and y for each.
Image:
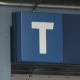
(11, 42)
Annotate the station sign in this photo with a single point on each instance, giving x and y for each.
(45, 37)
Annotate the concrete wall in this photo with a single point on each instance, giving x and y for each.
(5, 24)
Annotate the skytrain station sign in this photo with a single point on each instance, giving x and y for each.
(46, 37)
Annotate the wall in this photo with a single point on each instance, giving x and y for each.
(5, 24)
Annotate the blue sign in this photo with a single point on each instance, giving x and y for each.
(71, 39)
(46, 37)
(37, 37)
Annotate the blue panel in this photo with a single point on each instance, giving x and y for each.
(19, 37)
(30, 38)
(14, 37)
(71, 38)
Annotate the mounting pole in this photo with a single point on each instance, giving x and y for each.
(36, 5)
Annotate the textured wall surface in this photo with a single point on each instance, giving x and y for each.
(5, 24)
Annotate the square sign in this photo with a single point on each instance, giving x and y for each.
(38, 37)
